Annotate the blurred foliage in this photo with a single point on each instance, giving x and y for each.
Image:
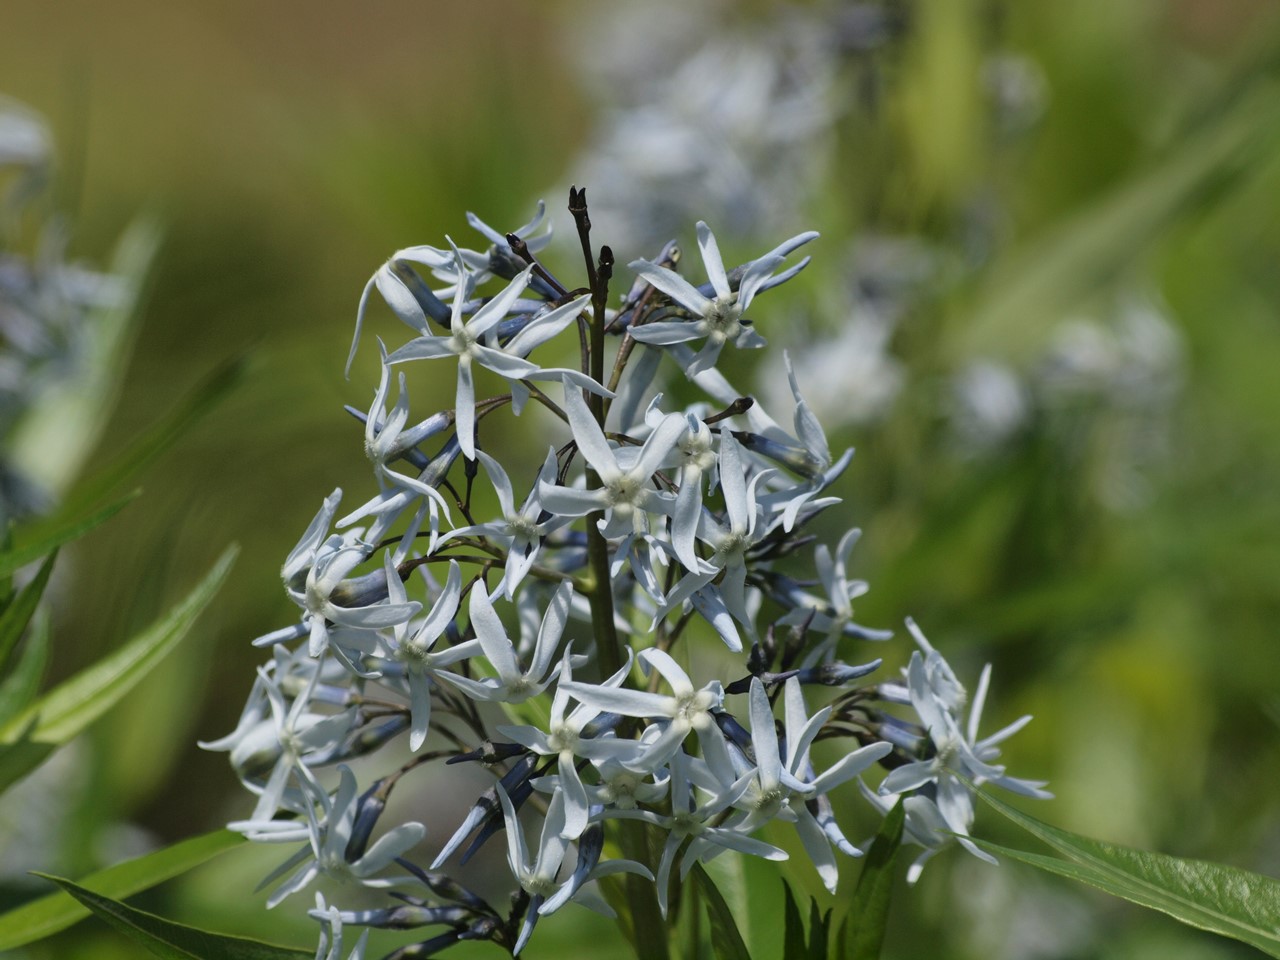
(287, 150)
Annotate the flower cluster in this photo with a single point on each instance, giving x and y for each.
(558, 640)
(47, 339)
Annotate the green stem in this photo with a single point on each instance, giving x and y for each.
(648, 925)
(649, 930)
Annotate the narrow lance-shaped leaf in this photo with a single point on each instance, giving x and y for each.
(1211, 896)
(726, 941)
(18, 613)
(819, 931)
(70, 707)
(50, 914)
(175, 941)
(793, 945)
(22, 684)
(47, 537)
(159, 436)
(869, 912)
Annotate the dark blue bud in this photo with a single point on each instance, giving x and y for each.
(431, 305)
(361, 591)
(439, 466)
(406, 917)
(366, 740)
(368, 809)
(796, 459)
(836, 674)
(445, 887)
(735, 732)
(490, 753)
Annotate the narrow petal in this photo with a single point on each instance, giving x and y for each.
(590, 439)
(712, 260)
(662, 333)
(465, 409)
(493, 637)
(553, 624)
(673, 285)
(501, 483)
(392, 844)
(628, 703)
(666, 665)
(764, 736)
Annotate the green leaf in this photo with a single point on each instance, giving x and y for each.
(21, 685)
(50, 914)
(6, 581)
(16, 616)
(175, 941)
(843, 939)
(869, 911)
(48, 536)
(793, 928)
(726, 941)
(70, 707)
(1211, 896)
(22, 755)
(161, 435)
(819, 931)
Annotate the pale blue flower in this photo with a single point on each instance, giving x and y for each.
(513, 684)
(626, 495)
(328, 596)
(520, 531)
(783, 780)
(468, 342)
(685, 710)
(691, 819)
(956, 756)
(536, 876)
(717, 318)
(327, 851)
(403, 290)
(409, 648)
(566, 740)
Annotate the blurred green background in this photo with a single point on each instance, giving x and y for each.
(288, 149)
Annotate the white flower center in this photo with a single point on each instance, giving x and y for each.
(620, 790)
(691, 708)
(563, 738)
(522, 527)
(768, 802)
(462, 343)
(686, 822)
(948, 750)
(723, 319)
(732, 547)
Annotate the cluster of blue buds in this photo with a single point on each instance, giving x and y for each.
(555, 640)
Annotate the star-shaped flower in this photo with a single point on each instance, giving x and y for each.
(717, 318)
